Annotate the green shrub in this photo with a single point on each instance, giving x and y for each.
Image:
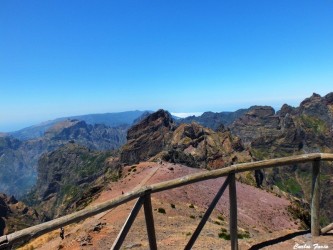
(220, 217)
(161, 210)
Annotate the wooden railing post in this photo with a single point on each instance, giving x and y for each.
(233, 212)
(315, 198)
(126, 227)
(150, 222)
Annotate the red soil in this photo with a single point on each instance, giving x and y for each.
(262, 214)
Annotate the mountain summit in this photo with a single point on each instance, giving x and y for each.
(157, 137)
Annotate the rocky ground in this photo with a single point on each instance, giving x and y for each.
(263, 218)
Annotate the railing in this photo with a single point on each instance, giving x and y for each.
(144, 195)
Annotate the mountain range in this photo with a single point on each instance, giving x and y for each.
(71, 164)
(119, 119)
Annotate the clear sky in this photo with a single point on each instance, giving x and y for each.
(61, 58)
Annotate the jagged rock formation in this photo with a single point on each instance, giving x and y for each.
(18, 159)
(305, 129)
(148, 137)
(15, 215)
(157, 137)
(69, 177)
(197, 146)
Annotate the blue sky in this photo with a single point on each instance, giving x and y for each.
(60, 57)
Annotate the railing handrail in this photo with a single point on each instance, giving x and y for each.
(37, 230)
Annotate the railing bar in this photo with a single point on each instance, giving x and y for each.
(126, 227)
(315, 198)
(326, 229)
(150, 222)
(233, 212)
(237, 168)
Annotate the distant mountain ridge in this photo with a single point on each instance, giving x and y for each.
(214, 119)
(109, 119)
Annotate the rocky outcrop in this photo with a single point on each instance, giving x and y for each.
(259, 121)
(148, 137)
(15, 215)
(304, 129)
(157, 137)
(197, 146)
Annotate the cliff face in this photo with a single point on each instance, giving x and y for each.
(197, 146)
(305, 129)
(157, 137)
(69, 177)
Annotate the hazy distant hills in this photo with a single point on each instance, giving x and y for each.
(214, 120)
(109, 119)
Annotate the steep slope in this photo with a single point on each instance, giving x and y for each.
(69, 177)
(18, 159)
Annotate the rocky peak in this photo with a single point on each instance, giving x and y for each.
(258, 121)
(261, 111)
(142, 117)
(148, 137)
(197, 146)
(329, 98)
(160, 120)
(285, 109)
(318, 107)
(156, 137)
(312, 99)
